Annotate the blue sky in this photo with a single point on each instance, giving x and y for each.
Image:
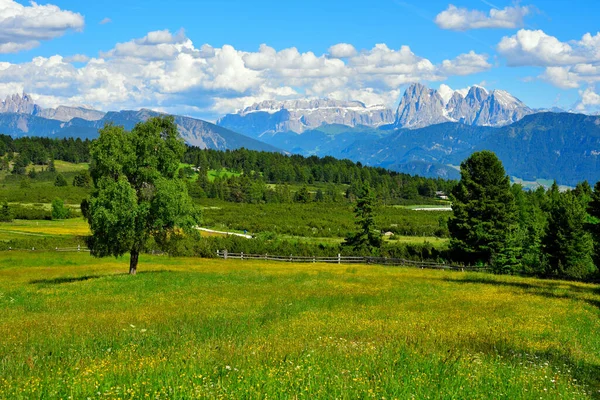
(151, 54)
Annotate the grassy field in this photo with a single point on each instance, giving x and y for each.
(20, 228)
(76, 327)
(315, 220)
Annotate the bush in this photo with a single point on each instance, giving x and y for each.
(5, 213)
(59, 211)
(30, 213)
(60, 180)
(82, 179)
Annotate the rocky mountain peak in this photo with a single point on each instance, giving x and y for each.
(24, 104)
(421, 107)
(20, 104)
(477, 94)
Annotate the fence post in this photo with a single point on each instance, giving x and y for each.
(242, 255)
(78, 247)
(290, 258)
(314, 260)
(266, 256)
(225, 254)
(339, 258)
(217, 253)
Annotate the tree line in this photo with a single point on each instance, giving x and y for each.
(22, 152)
(548, 233)
(254, 171)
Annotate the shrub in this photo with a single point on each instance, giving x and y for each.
(60, 180)
(59, 211)
(5, 213)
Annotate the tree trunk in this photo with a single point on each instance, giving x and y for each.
(133, 261)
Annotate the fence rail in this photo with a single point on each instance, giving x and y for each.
(348, 260)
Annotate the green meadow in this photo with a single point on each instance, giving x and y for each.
(72, 326)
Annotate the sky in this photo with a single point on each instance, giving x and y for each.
(207, 58)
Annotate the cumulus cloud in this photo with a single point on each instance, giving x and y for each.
(466, 64)
(167, 70)
(567, 65)
(462, 19)
(589, 101)
(342, 50)
(77, 58)
(105, 21)
(536, 48)
(23, 27)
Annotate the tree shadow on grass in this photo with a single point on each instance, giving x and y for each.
(64, 279)
(73, 279)
(541, 288)
(585, 372)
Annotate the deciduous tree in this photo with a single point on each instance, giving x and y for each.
(137, 195)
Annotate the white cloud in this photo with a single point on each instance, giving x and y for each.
(166, 70)
(466, 64)
(105, 21)
(590, 101)
(342, 50)
(536, 48)
(77, 58)
(567, 65)
(462, 19)
(23, 27)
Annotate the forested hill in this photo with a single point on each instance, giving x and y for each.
(552, 146)
(276, 168)
(244, 168)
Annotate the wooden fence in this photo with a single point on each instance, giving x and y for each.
(349, 260)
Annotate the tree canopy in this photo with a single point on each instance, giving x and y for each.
(137, 195)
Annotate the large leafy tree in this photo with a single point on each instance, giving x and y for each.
(137, 195)
(367, 238)
(483, 224)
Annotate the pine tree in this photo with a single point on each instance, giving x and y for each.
(484, 213)
(594, 225)
(567, 245)
(368, 238)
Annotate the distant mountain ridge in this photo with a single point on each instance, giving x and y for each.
(419, 107)
(303, 115)
(19, 116)
(561, 146)
(24, 104)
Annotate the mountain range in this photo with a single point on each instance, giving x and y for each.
(419, 107)
(429, 134)
(19, 116)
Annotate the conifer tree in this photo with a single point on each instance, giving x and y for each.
(567, 246)
(368, 237)
(594, 225)
(484, 214)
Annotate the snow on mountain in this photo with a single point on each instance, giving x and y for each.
(421, 106)
(301, 115)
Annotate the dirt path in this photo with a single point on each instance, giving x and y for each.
(225, 233)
